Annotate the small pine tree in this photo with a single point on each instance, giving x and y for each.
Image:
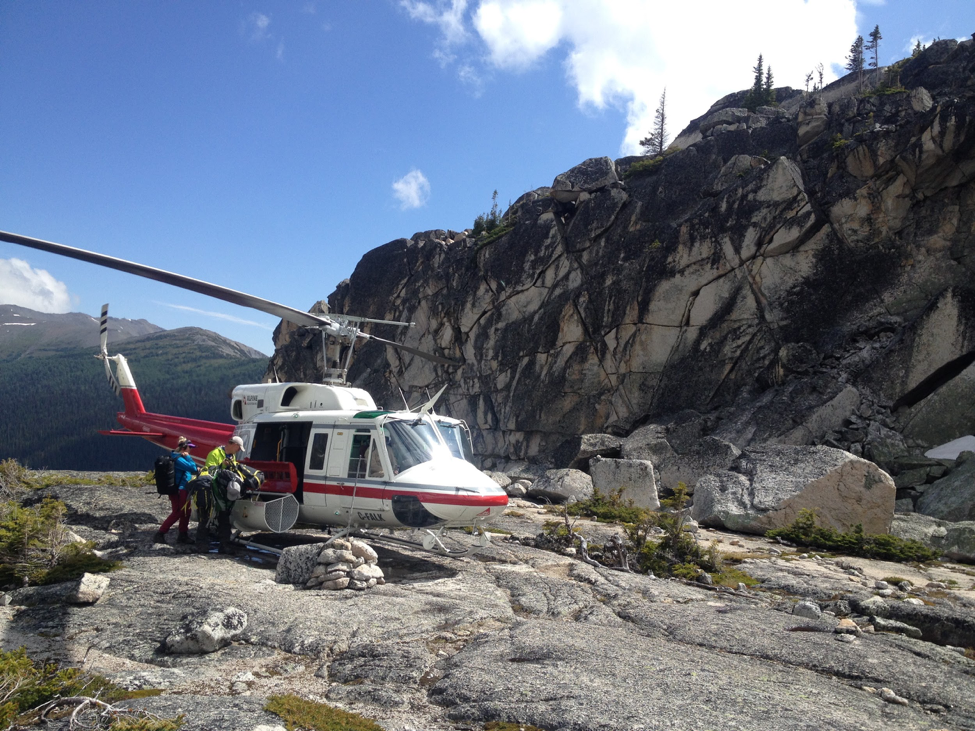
(656, 142)
(761, 94)
(917, 49)
(809, 78)
(768, 92)
(873, 46)
(854, 62)
(819, 71)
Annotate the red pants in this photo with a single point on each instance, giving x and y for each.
(181, 512)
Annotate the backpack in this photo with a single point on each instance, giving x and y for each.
(165, 475)
(229, 482)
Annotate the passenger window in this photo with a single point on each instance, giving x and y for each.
(319, 448)
(359, 455)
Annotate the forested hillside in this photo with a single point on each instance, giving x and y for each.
(53, 406)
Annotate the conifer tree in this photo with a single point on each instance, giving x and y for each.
(854, 62)
(757, 95)
(873, 45)
(809, 78)
(656, 142)
(768, 93)
(819, 70)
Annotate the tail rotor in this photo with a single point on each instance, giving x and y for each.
(103, 355)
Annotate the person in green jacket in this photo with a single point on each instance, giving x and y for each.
(221, 458)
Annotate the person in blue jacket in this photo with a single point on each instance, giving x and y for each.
(184, 468)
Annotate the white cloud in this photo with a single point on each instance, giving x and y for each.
(257, 25)
(412, 190)
(623, 53)
(448, 15)
(518, 33)
(35, 289)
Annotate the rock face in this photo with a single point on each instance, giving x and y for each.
(798, 273)
(770, 485)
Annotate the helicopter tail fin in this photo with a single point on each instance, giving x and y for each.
(121, 380)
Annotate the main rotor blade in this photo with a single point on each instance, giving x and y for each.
(178, 280)
(419, 353)
(211, 290)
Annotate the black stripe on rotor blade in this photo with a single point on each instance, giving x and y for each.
(177, 280)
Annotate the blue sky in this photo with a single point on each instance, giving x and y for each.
(266, 146)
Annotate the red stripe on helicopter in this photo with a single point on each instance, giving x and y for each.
(388, 493)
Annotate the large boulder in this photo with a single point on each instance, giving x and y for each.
(951, 498)
(635, 479)
(207, 632)
(296, 564)
(562, 486)
(770, 485)
(955, 540)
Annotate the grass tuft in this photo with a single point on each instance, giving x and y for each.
(298, 713)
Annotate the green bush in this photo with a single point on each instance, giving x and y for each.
(612, 508)
(34, 548)
(804, 531)
(26, 685)
(676, 552)
(298, 713)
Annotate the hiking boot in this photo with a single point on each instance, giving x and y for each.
(183, 538)
(160, 537)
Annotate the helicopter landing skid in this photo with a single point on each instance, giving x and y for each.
(432, 541)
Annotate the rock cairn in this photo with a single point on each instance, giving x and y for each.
(346, 565)
(339, 564)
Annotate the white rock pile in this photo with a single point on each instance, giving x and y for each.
(346, 564)
(338, 564)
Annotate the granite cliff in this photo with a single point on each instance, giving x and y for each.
(798, 275)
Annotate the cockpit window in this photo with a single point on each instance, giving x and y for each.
(458, 439)
(410, 443)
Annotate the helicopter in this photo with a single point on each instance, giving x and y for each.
(329, 456)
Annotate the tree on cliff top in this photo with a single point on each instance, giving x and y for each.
(854, 62)
(655, 143)
(761, 94)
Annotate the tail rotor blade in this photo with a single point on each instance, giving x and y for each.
(103, 330)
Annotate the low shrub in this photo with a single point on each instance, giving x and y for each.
(611, 508)
(804, 531)
(34, 546)
(27, 686)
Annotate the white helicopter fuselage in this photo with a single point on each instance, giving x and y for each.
(354, 465)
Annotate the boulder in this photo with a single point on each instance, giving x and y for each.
(296, 564)
(562, 485)
(591, 175)
(577, 451)
(955, 540)
(88, 589)
(207, 632)
(951, 498)
(768, 486)
(634, 477)
(709, 454)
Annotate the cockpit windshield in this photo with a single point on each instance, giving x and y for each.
(458, 438)
(410, 443)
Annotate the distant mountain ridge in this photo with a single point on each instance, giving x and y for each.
(55, 395)
(28, 333)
